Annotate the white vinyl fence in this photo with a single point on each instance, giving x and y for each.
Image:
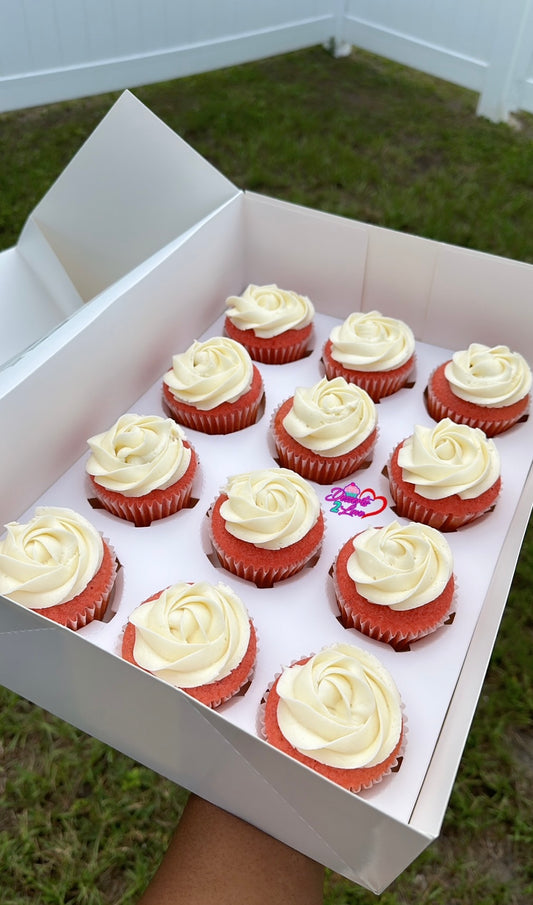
(53, 50)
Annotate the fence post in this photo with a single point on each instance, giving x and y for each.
(513, 34)
(337, 46)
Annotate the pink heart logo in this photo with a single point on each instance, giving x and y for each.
(370, 499)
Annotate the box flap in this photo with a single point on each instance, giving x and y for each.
(133, 187)
(27, 310)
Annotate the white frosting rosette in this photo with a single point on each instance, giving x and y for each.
(449, 459)
(140, 453)
(400, 566)
(192, 634)
(271, 508)
(372, 342)
(341, 708)
(494, 377)
(50, 559)
(210, 373)
(269, 311)
(331, 417)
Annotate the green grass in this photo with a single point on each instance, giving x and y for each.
(84, 825)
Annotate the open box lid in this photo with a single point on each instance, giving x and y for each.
(134, 187)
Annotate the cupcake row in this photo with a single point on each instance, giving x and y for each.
(198, 637)
(479, 386)
(337, 711)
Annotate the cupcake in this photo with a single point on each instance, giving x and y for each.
(58, 565)
(445, 476)
(213, 387)
(266, 525)
(326, 431)
(142, 468)
(395, 584)
(481, 386)
(375, 352)
(195, 636)
(338, 712)
(275, 325)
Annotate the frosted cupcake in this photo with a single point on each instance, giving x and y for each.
(326, 431)
(195, 636)
(445, 476)
(266, 525)
(275, 325)
(395, 584)
(58, 565)
(481, 386)
(142, 468)
(338, 712)
(213, 387)
(373, 351)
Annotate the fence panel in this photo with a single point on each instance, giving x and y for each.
(57, 49)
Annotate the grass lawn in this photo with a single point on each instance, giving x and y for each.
(365, 138)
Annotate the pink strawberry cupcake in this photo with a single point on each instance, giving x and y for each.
(266, 525)
(396, 583)
(338, 712)
(213, 387)
(445, 476)
(59, 566)
(195, 636)
(326, 431)
(275, 325)
(142, 468)
(483, 387)
(373, 351)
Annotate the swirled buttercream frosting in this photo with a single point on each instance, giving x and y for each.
(50, 559)
(140, 453)
(400, 566)
(269, 311)
(191, 634)
(449, 459)
(372, 342)
(330, 418)
(210, 373)
(341, 708)
(488, 376)
(272, 508)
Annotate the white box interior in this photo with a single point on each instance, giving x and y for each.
(298, 616)
(108, 359)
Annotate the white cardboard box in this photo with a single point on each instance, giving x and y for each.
(133, 271)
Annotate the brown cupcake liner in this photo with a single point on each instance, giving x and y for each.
(144, 513)
(279, 355)
(378, 386)
(324, 471)
(438, 410)
(217, 703)
(98, 610)
(262, 576)
(208, 423)
(411, 509)
(396, 639)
